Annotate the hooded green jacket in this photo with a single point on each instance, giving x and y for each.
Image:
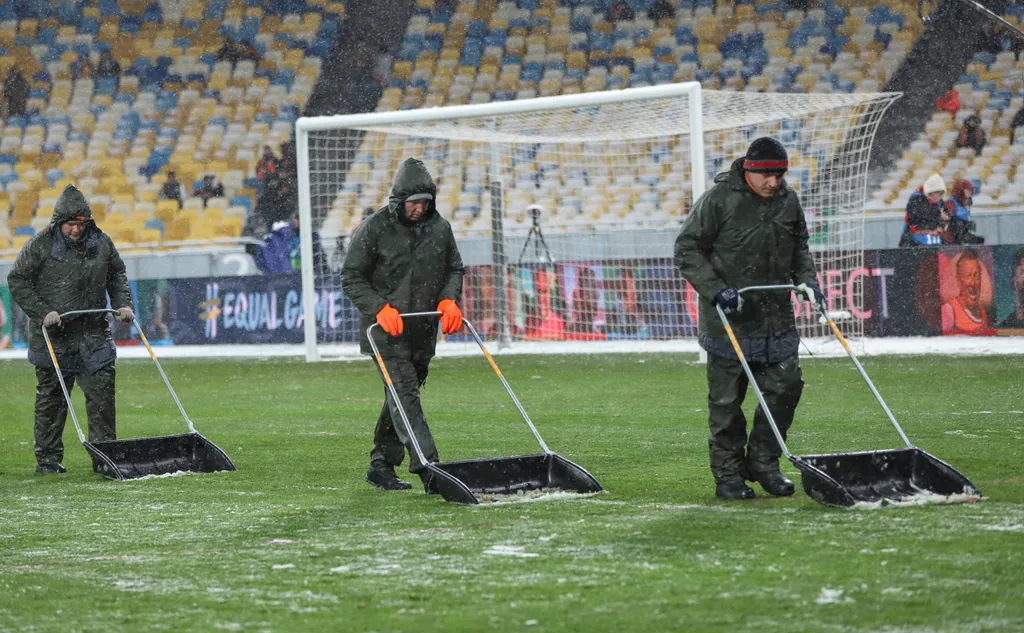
(53, 275)
(734, 238)
(410, 266)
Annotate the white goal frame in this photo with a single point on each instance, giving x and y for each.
(304, 125)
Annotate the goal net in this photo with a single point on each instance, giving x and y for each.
(566, 208)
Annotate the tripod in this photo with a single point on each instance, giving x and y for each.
(537, 236)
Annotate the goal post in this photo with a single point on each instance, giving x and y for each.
(566, 208)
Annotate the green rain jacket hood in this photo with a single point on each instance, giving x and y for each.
(412, 178)
(71, 204)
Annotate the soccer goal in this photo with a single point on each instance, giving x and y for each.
(566, 208)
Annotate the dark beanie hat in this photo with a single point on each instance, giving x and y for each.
(766, 155)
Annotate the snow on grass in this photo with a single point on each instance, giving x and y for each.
(921, 499)
(530, 496)
(832, 596)
(514, 551)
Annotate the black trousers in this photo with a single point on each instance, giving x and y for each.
(391, 438)
(733, 455)
(52, 410)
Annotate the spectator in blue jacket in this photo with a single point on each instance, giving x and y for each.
(280, 252)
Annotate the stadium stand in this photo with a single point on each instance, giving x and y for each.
(992, 87)
(476, 52)
(176, 106)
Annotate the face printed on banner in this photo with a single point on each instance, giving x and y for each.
(968, 277)
(1018, 278)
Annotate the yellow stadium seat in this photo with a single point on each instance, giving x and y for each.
(230, 226)
(177, 230)
(149, 236)
(166, 210)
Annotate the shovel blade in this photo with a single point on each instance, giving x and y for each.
(903, 476)
(141, 457)
(463, 482)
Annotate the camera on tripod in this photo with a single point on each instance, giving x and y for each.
(535, 210)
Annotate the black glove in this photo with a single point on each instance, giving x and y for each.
(813, 294)
(729, 300)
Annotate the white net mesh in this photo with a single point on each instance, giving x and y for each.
(580, 206)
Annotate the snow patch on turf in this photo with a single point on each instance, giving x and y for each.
(1006, 527)
(530, 496)
(832, 596)
(513, 551)
(922, 499)
(177, 473)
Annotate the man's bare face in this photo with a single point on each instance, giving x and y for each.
(415, 210)
(766, 184)
(968, 276)
(73, 230)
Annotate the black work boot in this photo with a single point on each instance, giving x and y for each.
(775, 484)
(386, 479)
(734, 489)
(49, 468)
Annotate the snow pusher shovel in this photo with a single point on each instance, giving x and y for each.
(898, 476)
(465, 481)
(135, 458)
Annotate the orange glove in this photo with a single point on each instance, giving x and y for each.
(451, 316)
(389, 320)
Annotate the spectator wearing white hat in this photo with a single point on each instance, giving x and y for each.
(926, 219)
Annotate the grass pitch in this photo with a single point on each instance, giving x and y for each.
(296, 541)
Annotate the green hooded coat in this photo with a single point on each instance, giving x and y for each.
(734, 238)
(51, 274)
(410, 266)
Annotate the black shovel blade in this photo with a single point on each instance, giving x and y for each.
(899, 476)
(462, 482)
(135, 458)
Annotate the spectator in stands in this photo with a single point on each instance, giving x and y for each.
(15, 96)
(234, 52)
(281, 251)
(925, 220)
(620, 11)
(1016, 318)
(972, 135)
(661, 10)
(1018, 121)
(267, 164)
(108, 67)
(209, 188)
(990, 40)
(229, 52)
(172, 189)
(949, 102)
(958, 210)
(382, 67)
(82, 67)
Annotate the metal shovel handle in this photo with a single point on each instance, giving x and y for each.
(152, 354)
(398, 403)
(842, 339)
